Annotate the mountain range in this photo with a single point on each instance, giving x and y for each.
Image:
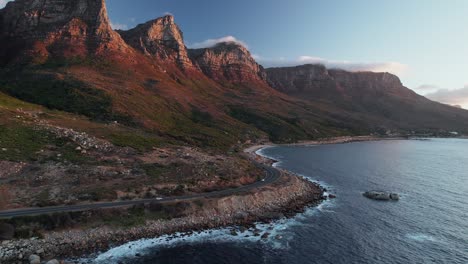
(64, 55)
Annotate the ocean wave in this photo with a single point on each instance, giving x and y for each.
(419, 237)
(280, 233)
(279, 237)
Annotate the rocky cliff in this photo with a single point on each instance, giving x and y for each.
(228, 61)
(161, 38)
(39, 29)
(318, 82)
(374, 98)
(144, 85)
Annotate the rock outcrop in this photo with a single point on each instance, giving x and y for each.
(382, 196)
(228, 62)
(39, 29)
(161, 38)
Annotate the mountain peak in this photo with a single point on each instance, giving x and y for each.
(161, 38)
(57, 28)
(228, 61)
(169, 19)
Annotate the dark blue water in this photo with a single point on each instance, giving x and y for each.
(428, 225)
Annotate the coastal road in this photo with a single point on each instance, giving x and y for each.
(271, 176)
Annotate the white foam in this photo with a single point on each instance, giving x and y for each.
(419, 237)
(279, 234)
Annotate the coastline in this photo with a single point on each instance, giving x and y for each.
(286, 198)
(325, 141)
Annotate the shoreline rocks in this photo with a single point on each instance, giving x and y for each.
(285, 198)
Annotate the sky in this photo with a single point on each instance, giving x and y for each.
(424, 42)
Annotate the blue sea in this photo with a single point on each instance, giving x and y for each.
(428, 225)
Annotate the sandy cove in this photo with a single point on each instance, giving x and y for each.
(326, 141)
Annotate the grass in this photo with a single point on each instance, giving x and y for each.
(136, 217)
(21, 143)
(97, 194)
(201, 117)
(139, 141)
(155, 171)
(279, 129)
(67, 95)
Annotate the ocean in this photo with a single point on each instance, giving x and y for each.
(428, 225)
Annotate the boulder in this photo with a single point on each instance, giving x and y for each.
(34, 259)
(395, 196)
(382, 196)
(54, 261)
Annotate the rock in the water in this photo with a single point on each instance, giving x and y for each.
(382, 196)
(34, 259)
(54, 261)
(332, 196)
(394, 196)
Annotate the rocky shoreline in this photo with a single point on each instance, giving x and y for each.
(287, 197)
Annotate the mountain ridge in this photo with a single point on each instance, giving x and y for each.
(372, 93)
(149, 78)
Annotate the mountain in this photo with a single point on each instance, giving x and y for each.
(143, 79)
(228, 61)
(379, 99)
(162, 39)
(37, 30)
(64, 55)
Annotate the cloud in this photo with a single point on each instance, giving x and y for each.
(256, 57)
(4, 2)
(427, 88)
(117, 26)
(213, 42)
(391, 67)
(451, 97)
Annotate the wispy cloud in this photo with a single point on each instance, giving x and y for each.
(118, 26)
(451, 96)
(3, 3)
(213, 42)
(425, 88)
(391, 67)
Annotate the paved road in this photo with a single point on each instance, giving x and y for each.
(272, 175)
